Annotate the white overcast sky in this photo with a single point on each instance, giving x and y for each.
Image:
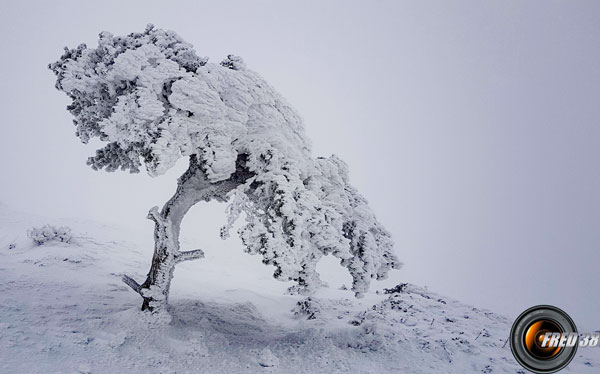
(473, 127)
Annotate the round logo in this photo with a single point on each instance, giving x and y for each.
(540, 339)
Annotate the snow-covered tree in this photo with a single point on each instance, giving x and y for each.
(152, 99)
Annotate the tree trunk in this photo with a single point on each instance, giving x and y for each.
(193, 186)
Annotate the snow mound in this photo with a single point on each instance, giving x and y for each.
(64, 309)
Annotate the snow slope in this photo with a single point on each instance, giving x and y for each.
(63, 309)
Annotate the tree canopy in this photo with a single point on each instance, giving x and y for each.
(152, 99)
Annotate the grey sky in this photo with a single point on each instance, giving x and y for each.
(471, 127)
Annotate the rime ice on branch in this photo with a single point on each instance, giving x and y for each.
(152, 99)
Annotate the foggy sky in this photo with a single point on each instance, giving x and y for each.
(471, 127)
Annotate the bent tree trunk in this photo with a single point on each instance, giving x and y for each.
(192, 187)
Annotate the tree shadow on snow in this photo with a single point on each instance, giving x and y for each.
(239, 323)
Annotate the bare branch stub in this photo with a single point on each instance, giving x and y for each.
(189, 255)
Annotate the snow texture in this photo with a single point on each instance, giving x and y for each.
(64, 310)
(152, 99)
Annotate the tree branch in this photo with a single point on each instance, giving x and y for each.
(155, 215)
(189, 255)
(131, 283)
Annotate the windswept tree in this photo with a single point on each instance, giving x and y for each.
(152, 99)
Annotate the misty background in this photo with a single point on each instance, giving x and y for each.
(471, 127)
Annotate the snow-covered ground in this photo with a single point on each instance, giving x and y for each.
(63, 309)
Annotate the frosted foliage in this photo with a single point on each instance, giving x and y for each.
(152, 99)
(296, 216)
(48, 233)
